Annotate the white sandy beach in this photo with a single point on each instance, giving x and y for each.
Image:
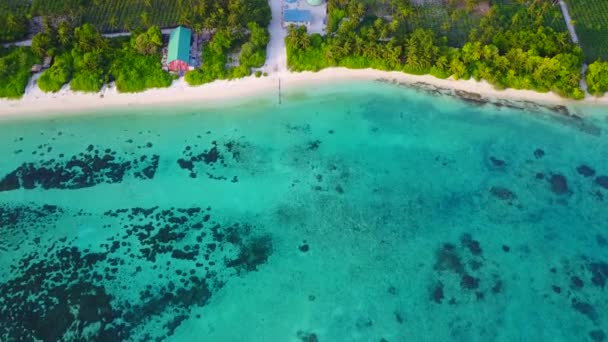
(35, 102)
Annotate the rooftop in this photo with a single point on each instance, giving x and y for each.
(297, 16)
(179, 45)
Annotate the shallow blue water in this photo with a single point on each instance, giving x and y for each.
(359, 212)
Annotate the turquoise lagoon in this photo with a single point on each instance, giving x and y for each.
(351, 212)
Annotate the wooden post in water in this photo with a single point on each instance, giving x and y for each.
(279, 90)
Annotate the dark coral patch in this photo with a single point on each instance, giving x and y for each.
(559, 184)
(497, 163)
(585, 309)
(597, 335)
(585, 171)
(497, 287)
(437, 293)
(576, 283)
(447, 259)
(599, 272)
(602, 181)
(398, 317)
(502, 193)
(252, 254)
(538, 153)
(307, 336)
(469, 282)
(601, 241)
(10, 182)
(314, 145)
(213, 158)
(85, 170)
(472, 245)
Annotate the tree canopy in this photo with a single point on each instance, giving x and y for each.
(15, 71)
(514, 46)
(597, 78)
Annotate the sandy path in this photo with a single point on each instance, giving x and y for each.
(568, 19)
(276, 54)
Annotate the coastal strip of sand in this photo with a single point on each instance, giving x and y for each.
(37, 103)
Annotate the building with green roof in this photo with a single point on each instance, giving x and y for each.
(178, 54)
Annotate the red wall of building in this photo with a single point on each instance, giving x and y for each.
(178, 65)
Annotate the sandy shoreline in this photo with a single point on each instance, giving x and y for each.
(37, 103)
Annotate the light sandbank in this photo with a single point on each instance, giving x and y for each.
(37, 103)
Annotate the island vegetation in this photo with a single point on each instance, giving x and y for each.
(521, 44)
(514, 44)
(238, 44)
(87, 60)
(590, 17)
(15, 70)
(597, 78)
(216, 54)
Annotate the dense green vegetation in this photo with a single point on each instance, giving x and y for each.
(113, 15)
(597, 78)
(15, 70)
(215, 55)
(517, 44)
(57, 75)
(591, 21)
(130, 15)
(134, 73)
(14, 17)
(88, 60)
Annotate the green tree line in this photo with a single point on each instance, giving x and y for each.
(514, 46)
(132, 15)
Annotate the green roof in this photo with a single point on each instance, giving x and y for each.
(179, 45)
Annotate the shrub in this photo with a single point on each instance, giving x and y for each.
(57, 75)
